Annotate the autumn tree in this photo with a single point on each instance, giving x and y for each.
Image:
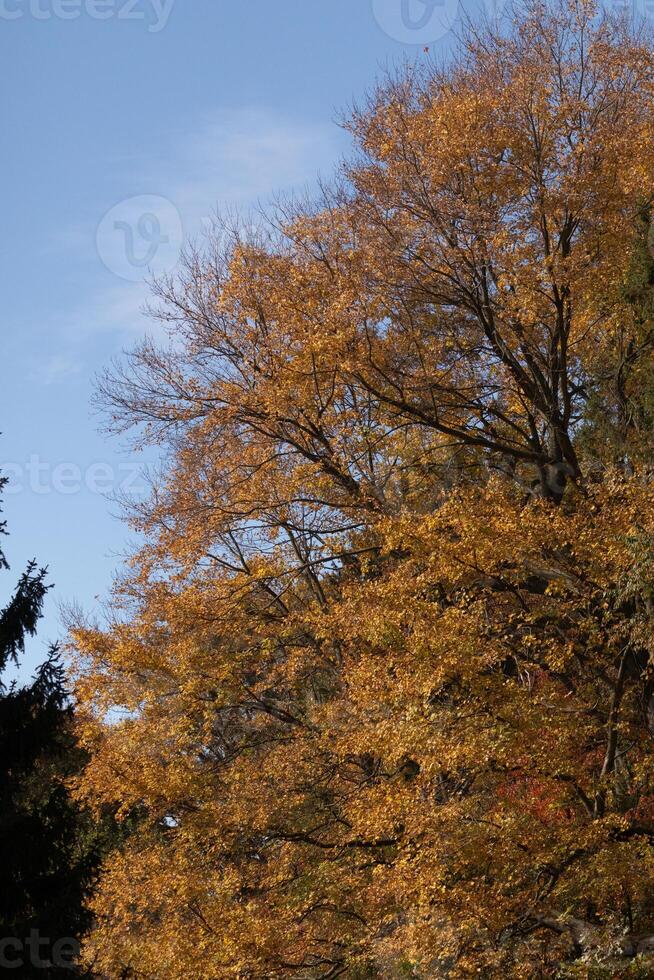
(380, 677)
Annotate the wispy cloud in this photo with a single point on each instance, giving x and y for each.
(231, 160)
(56, 369)
(114, 307)
(239, 157)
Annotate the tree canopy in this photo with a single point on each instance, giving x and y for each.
(379, 679)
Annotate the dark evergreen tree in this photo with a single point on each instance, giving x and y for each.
(49, 849)
(618, 423)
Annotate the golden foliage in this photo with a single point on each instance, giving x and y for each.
(378, 685)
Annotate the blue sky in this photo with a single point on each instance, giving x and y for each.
(126, 123)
